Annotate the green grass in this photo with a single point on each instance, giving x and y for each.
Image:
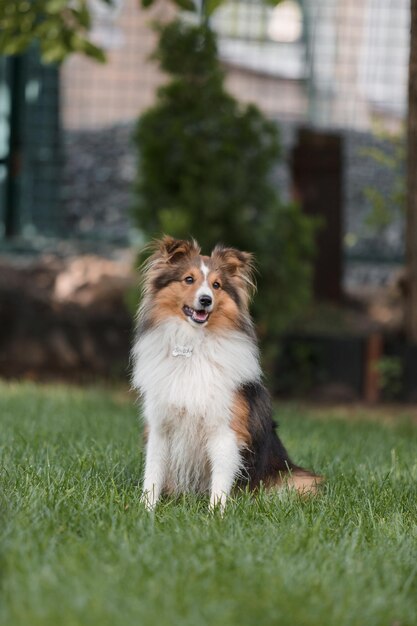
(77, 548)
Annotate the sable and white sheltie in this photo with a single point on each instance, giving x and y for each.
(208, 417)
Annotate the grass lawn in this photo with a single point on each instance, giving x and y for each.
(77, 548)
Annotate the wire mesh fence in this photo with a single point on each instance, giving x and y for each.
(338, 65)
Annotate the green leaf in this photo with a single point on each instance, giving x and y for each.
(54, 53)
(272, 3)
(212, 5)
(82, 16)
(53, 7)
(15, 45)
(24, 7)
(186, 5)
(77, 42)
(93, 51)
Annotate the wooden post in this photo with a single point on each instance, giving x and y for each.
(317, 177)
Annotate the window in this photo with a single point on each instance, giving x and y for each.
(266, 40)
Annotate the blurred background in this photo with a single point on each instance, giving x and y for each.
(87, 169)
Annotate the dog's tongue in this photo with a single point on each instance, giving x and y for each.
(200, 316)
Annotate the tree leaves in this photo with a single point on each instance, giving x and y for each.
(60, 26)
(212, 5)
(185, 5)
(273, 3)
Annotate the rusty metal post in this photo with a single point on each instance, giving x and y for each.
(317, 177)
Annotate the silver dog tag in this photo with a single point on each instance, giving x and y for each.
(186, 351)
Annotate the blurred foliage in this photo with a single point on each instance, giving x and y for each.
(386, 208)
(301, 368)
(207, 7)
(328, 318)
(60, 26)
(391, 373)
(205, 171)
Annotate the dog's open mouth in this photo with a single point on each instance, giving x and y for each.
(200, 317)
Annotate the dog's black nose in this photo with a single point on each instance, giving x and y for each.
(205, 300)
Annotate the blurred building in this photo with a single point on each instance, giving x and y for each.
(326, 62)
(338, 65)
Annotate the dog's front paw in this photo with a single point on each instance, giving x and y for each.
(148, 500)
(218, 502)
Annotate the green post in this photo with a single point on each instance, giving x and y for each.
(13, 160)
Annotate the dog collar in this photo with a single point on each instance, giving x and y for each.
(186, 351)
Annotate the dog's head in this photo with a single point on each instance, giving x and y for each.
(205, 291)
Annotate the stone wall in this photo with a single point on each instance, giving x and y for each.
(100, 170)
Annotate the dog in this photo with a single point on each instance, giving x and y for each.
(208, 416)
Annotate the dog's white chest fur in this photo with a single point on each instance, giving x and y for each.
(188, 377)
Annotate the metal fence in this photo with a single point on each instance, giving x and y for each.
(336, 65)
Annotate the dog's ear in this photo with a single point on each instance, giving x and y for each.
(162, 255)
(236, 264)
(173, 250)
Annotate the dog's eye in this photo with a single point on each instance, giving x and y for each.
(216, 285)
(189, 280)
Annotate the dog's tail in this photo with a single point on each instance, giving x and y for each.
(305, 482)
